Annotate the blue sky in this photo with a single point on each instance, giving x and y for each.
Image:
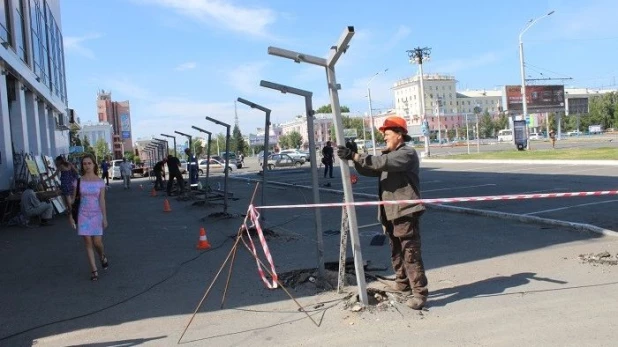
(178, 61)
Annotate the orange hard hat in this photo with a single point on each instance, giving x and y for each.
(395, 122)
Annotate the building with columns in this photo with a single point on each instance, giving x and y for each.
(33, 97)
(95, 132)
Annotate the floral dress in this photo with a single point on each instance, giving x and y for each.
(90, 217)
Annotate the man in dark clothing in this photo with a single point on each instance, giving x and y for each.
(398, 170)
(351, 145)
(105, 171)
(159, 173)
(192, 168)
(327, 159)
(173, 167)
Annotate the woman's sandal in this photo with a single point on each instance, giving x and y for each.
(104, 262)
(94, 275)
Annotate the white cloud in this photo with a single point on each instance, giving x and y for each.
(253, 21)
(75, 44)
(246, 77)
(190, 65)
(402, 33)
(454, 65)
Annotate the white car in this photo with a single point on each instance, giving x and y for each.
(215, 167)
(114, 169)
(296, 154)
(535, 136)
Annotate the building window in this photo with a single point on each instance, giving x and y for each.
(20, 30)
(5, 21)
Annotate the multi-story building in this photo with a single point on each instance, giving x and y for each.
(95, 132)
(33, 97)
(118, 114)
(322, 125)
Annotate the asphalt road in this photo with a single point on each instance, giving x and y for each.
(448, 180)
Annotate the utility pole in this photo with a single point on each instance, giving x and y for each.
(418, 55)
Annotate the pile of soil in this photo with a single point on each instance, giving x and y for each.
(603, 258)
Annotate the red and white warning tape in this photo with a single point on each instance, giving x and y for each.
(254, 216)
(446, 200)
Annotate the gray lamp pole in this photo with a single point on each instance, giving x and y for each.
(314, 173)
(171, 137)
(227, 158)
(167, 148)
(333, 87)
(373, 140)
(207, 156)
(266, 138)
(419, 55)
(522, 68)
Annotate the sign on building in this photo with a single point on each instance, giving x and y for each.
(544, 98)
(125, 125)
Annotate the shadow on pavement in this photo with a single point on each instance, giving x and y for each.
(120, 343)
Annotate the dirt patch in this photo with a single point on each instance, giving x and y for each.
(268, 233)
(378, 300)
(603, 258)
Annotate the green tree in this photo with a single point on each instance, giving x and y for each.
(238, 141)
(604, 110)
(295, 140)
(502, 122)
(329, 109)
(284, 141)
(101, 149)
(356, 123)
(486, 125)
(74, 135)
(129, 155)
(87, 147)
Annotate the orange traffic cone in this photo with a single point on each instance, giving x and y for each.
(153, 192)
(166, 206)
(203, 241)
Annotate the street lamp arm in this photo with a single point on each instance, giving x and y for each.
(376, 75)
(532, 22)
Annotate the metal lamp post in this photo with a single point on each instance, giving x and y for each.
(190, 138)
(207, 156)
(167, 148)
(171, 137)
(266, 138)
(522, 68)
(314, 173)
(419, 55)
(333, 87)
(373, 140)
(227, 158)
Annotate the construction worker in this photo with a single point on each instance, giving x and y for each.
(398, 170)
(159, 173)
(173, 168)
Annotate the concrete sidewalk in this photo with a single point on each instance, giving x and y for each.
(491, 282)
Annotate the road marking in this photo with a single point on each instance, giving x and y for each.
(456, 188)
(568, 207)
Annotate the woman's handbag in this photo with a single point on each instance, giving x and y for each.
(75, 205)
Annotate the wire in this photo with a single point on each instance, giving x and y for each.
(121, 301)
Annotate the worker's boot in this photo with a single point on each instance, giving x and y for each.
(398, 287)
(416, 303)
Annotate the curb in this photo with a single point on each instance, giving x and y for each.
(464, 210)
(531, 162)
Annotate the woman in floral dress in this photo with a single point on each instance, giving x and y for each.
(92, 215)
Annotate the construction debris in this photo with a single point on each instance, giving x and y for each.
(603, 258)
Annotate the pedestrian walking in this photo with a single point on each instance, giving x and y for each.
(398, 170)
(92, 213)
(105, 171)
(126, 170)
(173, 169)
(327, 159)
(552, 137)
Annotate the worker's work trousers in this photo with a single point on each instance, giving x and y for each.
(405, 240)
(158, 180)
(179, 181)
(44, 210)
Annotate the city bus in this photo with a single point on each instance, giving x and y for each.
(505, 135)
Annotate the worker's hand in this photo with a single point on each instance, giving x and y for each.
(345, 153)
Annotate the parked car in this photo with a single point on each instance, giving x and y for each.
(233, 161)
(261, 157)
(297, 154)
(114, 169)
(283, 160)
(535, 136)
(215, 166)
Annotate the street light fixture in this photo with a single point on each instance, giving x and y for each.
(266, 145)
(419, 55)
(171, 137)
(333, 87)
(522, 67)
(312, 152)
(373, 140)
(167, 146)
(227, 158)
(207, 156)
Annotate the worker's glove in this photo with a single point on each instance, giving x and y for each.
(345, 153)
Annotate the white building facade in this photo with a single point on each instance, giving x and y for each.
(322, 125)
(96, 132)
(33, 98)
